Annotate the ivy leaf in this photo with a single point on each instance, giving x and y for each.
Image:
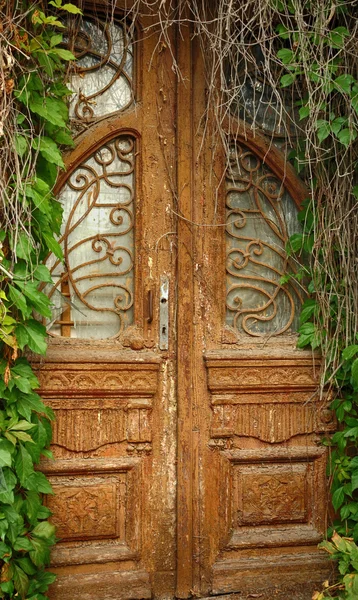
(337, 124)
(354, 480)
(308, 310)
(64, 54)
(22, 543)
(351, 583)
(294, 243)
(22, 426)
(32, 402)
(304, 112)
(59, 89)
(344, 82)
(37, 482)
(323, 129)
(26, 564)
(19, 301)
(71, 8)
(22, 384)
(5, 458)
(47, 171)
(354, 376)
(44, 530)
(64, 138)
(24, 437)
(338, 498)
(37, 336)
(46, 108)
(346, 136)
(286, 55)
(42, 273)
(21, 580)
(337, 35)
(32, 505)
(56, 39)
(49, 150)
(53, 244)
(40, 301)
(40, 201)
(24, 246)
(40, 554)
(349, 352)
(23, 464)
(21, 336)
(21, 145)
(287, 79)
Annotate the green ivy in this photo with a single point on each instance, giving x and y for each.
(339, 130)
(40, 114)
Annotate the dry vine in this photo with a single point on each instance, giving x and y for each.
(240, 43)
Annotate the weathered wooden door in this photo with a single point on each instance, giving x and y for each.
(186, 456)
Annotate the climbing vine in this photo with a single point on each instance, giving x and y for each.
(301, 58)
(33, 131)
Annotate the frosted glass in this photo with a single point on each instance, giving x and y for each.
(260, 216)
(257, 99)
(103, 75)
(98, 245)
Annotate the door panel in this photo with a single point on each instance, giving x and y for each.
(257, 463)
(186, 451)
(110, 384)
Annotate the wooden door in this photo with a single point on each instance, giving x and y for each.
(250, 423)
(186, 456)
(110, 370)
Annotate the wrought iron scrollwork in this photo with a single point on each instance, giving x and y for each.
(102, 79)
(93, 291)
(260, 217)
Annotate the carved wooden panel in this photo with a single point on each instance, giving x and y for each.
(273, 494)
(272, 399)
(96, 501)
(274, 504)
(274, 491)
(86, 509)
(102, 435)
(264, 420)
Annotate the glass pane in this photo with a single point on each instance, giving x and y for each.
(257, 99)
(93, 291)
(260, 217)
(103, 75)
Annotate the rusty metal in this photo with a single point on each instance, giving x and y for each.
(111, 166)
(150, 306)
(255, 298)
(116, 56)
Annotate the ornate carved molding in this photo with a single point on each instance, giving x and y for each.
(94, 379)
(269, 397)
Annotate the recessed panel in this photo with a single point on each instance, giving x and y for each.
(86, 509)
(271, 494)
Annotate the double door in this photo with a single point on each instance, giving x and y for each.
(186, 456)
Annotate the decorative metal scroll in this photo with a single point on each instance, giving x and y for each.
(260, 100)
(93, 292)
(103, 72)
(260, 217)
